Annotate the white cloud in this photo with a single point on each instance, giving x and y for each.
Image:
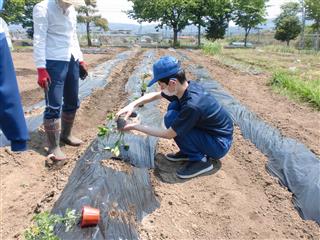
(113, 10)
(274, 7)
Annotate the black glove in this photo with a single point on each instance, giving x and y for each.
(83, 70)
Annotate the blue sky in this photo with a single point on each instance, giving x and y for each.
(113, 9)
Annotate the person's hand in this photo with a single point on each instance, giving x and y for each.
(83, 70)
(44, 79)
(130, 126)
(126, 110)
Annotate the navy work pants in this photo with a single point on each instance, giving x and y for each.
(64, 88)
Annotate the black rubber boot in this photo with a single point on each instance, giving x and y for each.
(52, 129)
(67, 120)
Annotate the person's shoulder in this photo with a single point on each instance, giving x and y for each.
(41, 6)
(194, 84)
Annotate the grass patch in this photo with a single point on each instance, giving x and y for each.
(307, 91)
(212, 48)
(290, 50)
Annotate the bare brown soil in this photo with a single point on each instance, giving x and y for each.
(239, 200)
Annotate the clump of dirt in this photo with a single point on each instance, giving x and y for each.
(127, 217)
(118, 165)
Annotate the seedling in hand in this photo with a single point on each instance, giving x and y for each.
(120, 123)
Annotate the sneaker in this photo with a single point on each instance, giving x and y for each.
(176, 157)
(194, 168)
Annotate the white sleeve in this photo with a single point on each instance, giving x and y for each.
(40, 22)
(76, 41)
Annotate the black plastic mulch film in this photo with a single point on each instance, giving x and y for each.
(124, 196)
(293, 163)
(95, 80)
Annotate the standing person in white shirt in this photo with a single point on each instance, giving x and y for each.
(12, 120)
(59, 63)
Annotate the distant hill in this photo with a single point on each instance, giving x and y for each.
(166, 32)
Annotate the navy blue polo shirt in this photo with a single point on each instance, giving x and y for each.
(201, 110)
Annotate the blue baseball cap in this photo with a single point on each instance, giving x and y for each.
(1, 4)
(166, 66)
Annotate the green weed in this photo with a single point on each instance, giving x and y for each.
(307, 91)
(212, 48)
(44, 223)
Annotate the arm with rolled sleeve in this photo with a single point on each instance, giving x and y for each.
(40, 21)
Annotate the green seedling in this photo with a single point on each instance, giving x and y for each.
(104, 131)
(44, 223)
(115, 149)
(146, 75)
(111, 116)
(144, 87)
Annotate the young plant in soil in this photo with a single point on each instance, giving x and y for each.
(106, 131)
(44, 223)
(143, 83)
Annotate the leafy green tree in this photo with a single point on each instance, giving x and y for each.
(198, 12)
(172, 13)
(13, 11)
(287, 29)
(313, 13)
(248, 14)
(88, 14)
(218, 18)
(288, 25)
(26, 19)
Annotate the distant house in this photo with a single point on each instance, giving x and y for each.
(121, 31)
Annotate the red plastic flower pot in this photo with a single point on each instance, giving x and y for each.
(90, 216)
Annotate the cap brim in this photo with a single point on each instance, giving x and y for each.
(153, 81)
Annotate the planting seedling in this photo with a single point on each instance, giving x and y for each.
(143, 83)
(105, 131)
(43, 229)
(121, 123)
(115, 149)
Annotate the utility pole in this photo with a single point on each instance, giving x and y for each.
(303, 11)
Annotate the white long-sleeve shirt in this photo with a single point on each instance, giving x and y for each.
(55, 36)
(4, 29)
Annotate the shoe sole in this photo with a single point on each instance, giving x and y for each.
(68, 142)
(177, 159)
(197, 173)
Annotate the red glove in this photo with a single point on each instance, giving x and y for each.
(83, 70)
(43, 78)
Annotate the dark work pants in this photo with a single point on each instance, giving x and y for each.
(64, 88)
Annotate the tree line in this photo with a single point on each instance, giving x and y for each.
(213, 15)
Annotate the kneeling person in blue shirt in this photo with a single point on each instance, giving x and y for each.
(200, 126)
